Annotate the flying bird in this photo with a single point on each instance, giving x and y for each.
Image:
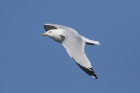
(73, 43)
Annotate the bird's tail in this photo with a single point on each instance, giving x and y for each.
(90, 42)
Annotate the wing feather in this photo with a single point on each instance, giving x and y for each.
(74, 45)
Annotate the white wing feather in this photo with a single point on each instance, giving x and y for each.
(74, 45)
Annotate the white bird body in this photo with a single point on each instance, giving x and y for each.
(73, 43)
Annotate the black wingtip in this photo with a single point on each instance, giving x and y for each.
(89, 71)
(95, 77)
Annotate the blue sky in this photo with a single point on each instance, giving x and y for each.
(30, 63)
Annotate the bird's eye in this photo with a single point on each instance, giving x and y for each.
(50, 31)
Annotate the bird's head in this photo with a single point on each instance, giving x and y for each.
(51, 30)
(48, 33)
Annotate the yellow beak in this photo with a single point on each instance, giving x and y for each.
(43, 34)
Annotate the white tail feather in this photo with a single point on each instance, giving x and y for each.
(91, 42)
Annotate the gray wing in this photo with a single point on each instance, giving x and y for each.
(74, 45)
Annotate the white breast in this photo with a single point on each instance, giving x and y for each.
(59, 38)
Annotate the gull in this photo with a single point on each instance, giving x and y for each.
(73, 43)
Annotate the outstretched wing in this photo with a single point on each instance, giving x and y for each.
(74, 45)
(48, 27)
